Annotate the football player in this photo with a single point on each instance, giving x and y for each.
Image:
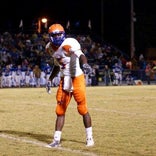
(72, 64)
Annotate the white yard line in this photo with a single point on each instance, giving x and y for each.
(121, 112)
(41, 144)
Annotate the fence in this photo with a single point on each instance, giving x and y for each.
(128, 78)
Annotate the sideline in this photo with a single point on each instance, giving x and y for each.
(41, 144)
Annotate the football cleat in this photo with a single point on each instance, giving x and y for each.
(54, 144)
(89, 142)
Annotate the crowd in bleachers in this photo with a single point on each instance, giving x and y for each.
(21, 54)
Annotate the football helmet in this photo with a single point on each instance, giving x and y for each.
(56, 34)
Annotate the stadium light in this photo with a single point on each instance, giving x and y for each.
(44, 20)
(40, 21)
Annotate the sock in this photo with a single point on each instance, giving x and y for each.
(89, 133)
(57, 135)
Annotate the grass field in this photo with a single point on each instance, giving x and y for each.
(123, 118)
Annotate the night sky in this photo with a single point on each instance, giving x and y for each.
(110, 21)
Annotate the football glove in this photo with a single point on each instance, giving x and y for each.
(48, 87)
(87, 68)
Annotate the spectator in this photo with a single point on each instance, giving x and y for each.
(107, 75)
(37, 75)
(154, 70)
(148, 71)
(117, 71)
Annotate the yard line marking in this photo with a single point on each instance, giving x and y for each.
(121, 112)
(41, 144)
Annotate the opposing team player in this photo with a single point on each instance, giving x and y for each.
(70, 61)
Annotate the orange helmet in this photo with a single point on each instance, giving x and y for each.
(54, 28)
(56, 34)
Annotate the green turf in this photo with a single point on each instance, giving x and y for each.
(123, 118)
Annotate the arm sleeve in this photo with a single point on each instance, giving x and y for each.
(48, 49)
(54, 72)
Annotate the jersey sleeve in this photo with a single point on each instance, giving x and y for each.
(78, 53)
(72, 46)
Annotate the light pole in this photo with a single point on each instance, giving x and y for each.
(132, 20)
(102, 21)
(40, 21)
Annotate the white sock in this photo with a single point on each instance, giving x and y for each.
(57, 135)
(89, 133)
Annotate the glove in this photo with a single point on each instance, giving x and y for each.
(48, 89)
(87, 68)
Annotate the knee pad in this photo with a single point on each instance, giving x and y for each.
(60, 110)
(63, 99)
(82, 109)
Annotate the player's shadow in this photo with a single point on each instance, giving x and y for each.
(39, 137)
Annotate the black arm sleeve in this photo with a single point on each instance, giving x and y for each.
(54, 72)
